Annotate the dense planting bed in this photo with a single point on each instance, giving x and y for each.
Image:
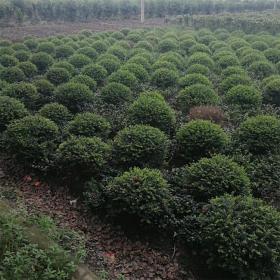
(171, 129)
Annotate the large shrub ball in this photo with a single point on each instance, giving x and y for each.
(83, 155)
(261, 69)
(86, 80)
(260, 135)
(233, 70)
(271, 94)
(116, 93)
(89, 52)
(234, 80)
(193, 79)
(29, 69)
(110, 64)
(7, 60)
(151, 109)
(46, 47)
(164, 64)
(74, 96)
(45, 88)
(140, 145)
(211, 177)
(252, 237)
(273, 55)
(58, 76)
(197, 95)
(201, 58)
(89, 124)
(25, 92)
(198, 69)
(124, 77)
(10, 109)
(99, 46)
(79, 60)
(31, 138)
(167, 45)
(141, 193)
(56, 112)
(138, 70)
(244, 97)
(12, 74)
(64, 51)
(227, 61)
(65, 65)
(118, 51)
(200, 138)
(96, 72)
(42, 61)
(164, 78)
(22, 56)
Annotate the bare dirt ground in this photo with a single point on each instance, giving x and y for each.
(17, 33)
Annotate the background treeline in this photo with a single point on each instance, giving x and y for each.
(85, 10)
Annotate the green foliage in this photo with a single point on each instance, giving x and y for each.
(111, 64)
(124, 77)
(273, 55)
(66, 65)
(29, 69)
(261, 69)
(200, 138)
(151, 109)
(164, 78)
(89, 124)
(89, 52)
(201, 58)
(138, 70)
(86, 80)
(198, 69)
(12, 74)
(116, 93)
(142, 193)
(58, 76)
(96, 72)
(79, 60)
(167, 45)
(8, 60)
(259, 135)
(272, 92)
(45, 89)
(42, 61)
(64, 51)
(197, 95)
(140, 145)
(46, 47)
(193, 79)
(234, 80)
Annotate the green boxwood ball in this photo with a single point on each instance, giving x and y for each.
(45, 89)
(124, 77)
(201, 58)
(200, 138)
(193, 79)
(261, 69)
(86, 80)
(46, 47)
(167, 45)
(96, 72)
(12, 74)
(58, 76)
(271, 92)
(8, 60)
(66, 65)
(29, 69)
(116, 93)
(138, 70)
(42, 61)
(234, 80)
(22, 56)
(88, 51)
(79, 60)
(164, 78)
(110, 64)
(64, 51)
(198, 69)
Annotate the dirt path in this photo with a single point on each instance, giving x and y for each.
(17, 33)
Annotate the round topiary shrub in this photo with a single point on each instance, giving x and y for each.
(198, 69)
(244, 97)
(261, 69)
(8, 60)
(124, 77)
(199, 48)
(234, 80)
(252, 57)
(6, 50)
(167, 45)
(81, 156)
(12, 75)
(200, 138)
(259, 135)
(212, 177)
(197, 95)
(89, 124)
(64, 51)
(151, 109)
(141, 193)
(45, 89)
(201, 58)
(233, 70)
(138, 70)
(138, 59)
(227, 61)
(86, 80)
(89, 52)
(58, 76)
(10, 109)
(56, 112)
(110, 64)
(271, 92)
(46, 47)
(65, 65)
(193, 79)
(164, 78)
(116, 93)
(79, 60)
(29, 69)
(74, 96)
(118, 51)
(174, 58)
(31, 138)
(164, 64)
(96, 72)
(260, 45)
(273, 55)
(99, 46)
(42, 61)
(140, 145)
(25, 92)
(252, 236)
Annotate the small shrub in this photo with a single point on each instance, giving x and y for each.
(261, 69)
(96, 72)
(227, 61)
(260, 46)
(79, 60)
(164, 78)
(271, 93)
(12, 75)
(116, 93)
(259, 135)
(99, 46)
(89, 52)
(8, 60)
(42, 61)
(167, 45)
(86, 80)
(233, 70)
(234, 80)
(124, 77)
(199, 48)
(138, 59)
(65, 65)
(89, 124)
(46, 47)
(200, 138)
(64, 51)
(142, 193)
(164, 64)
(198, 69)
(194, 79)
(29, 69)
(118, 51)
(273, 55)
(138, 70)
(58, 76)
(110, 64)
(140, 145)
(201, 58)
(45, 89)
(210, 113)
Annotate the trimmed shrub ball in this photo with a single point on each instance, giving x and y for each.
(116, 93)
(259, 135)
(96, 72)
(89, 124)
(140, 193)
(79, 60)
(140, 145)
(29, 69)
(233, 70)
(118, 51)
(124, 77)
(25, 92)
(89, 52)
(99, 46)
(22, 56)
(138, 70)
(273, 55)
(31, 138)
(74, 96)
(42, 61)
(65, 65)
(82, 156)
(45, 89)
(46, 47)
(56, 112)
(271, 93)
(212, 177)
(227, 61)
(234, 80)
(10, 109)
(198, 69)
(261, 69)
(86, 80)
(8, 60)
(167, 45)
(193, 79)
(197, 95)
(200, 138)
(260, 45)
(244, 97)
(58, 76)
(64, 51)
(164, 64)
(12, 75)
(164, 78)
(252, 237)
(201, 58)
(142, 61)
(110, 64)
(152, 110)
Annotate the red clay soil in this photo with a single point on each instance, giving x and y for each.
(17, 33)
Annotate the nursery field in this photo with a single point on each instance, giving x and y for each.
(168, 136)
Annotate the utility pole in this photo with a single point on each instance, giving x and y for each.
(142, 11)
(275, 4)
